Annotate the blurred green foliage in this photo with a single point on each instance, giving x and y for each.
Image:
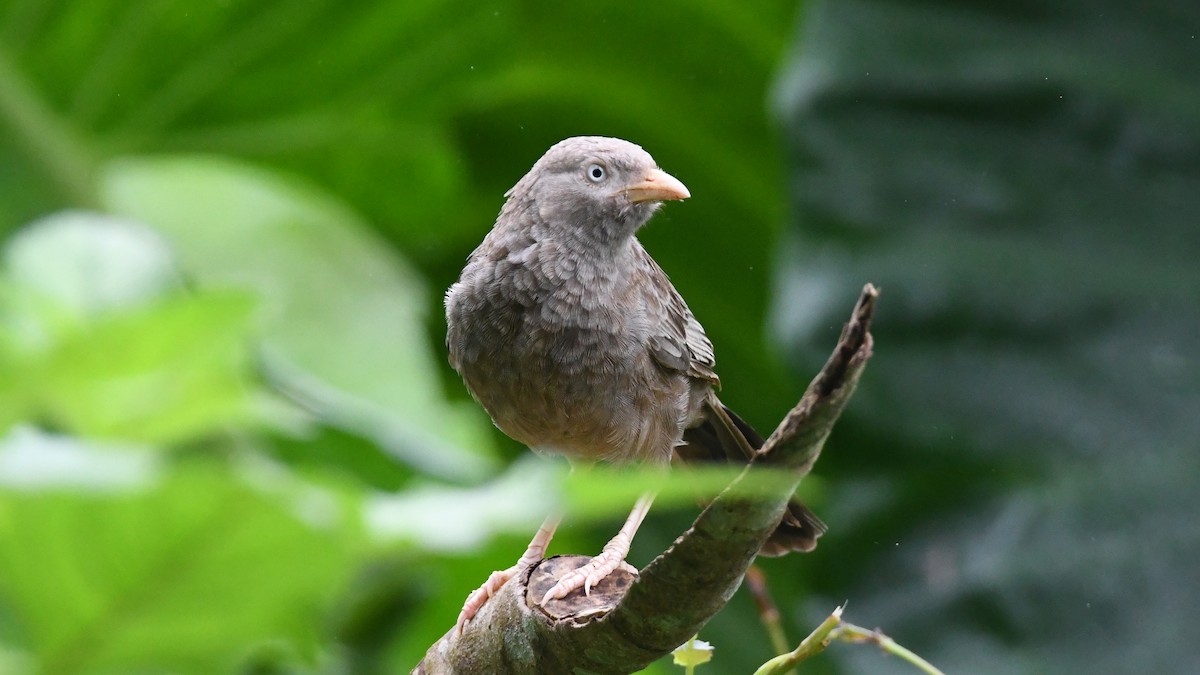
(228, 438)
(1024, 184)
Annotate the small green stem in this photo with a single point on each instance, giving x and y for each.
(815, 643)
(848, 632)
(833, 628)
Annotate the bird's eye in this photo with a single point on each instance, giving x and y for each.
(596, 173)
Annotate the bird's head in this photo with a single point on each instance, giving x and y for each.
(598, 189)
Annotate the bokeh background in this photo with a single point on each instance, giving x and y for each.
(229, 441)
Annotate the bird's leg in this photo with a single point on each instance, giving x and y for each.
(533, 553)
(610, 558)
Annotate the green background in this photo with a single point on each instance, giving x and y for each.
(229, 441)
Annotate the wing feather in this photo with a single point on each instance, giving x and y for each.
(677, 341)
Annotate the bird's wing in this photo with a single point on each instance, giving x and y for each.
(677, 340)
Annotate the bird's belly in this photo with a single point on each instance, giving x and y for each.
(589, 394)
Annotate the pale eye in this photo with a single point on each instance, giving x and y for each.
(596, 173)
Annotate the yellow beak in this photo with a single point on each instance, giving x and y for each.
(657, 186)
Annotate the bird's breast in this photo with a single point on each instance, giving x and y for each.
(557, 355)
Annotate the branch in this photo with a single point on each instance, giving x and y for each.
(631, 621)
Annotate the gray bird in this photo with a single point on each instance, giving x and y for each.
(576, 343)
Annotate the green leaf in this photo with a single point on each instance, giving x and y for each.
(89, 263)
(342, 318)
(97, 336)
(184, 574)
(169, 372)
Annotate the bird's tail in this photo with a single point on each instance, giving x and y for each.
(724, 437)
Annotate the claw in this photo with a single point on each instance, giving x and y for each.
(610, 558)
(479, 597)
(586, 577)
(533, 553)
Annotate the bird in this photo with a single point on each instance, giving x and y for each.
(576, 343)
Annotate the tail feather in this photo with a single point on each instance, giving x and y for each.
(724, 437)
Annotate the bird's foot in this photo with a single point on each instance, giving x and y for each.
(589, 575)
(533, 553)
(479, 597)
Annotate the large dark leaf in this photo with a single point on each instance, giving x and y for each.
(420, 114)
(1016, 492)
(407, 120)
